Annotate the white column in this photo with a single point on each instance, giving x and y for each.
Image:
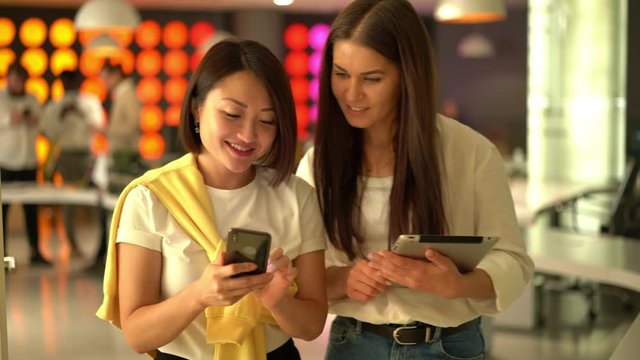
(576, 95)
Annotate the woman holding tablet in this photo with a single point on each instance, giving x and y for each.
(384, 164)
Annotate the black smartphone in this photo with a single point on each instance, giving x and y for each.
(244, 245)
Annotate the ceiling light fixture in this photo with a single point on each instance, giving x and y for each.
(103, 45)
(475, 46)
(106, 14)
(283, 2)
(470, 11)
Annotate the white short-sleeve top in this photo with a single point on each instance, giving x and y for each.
(289, 212)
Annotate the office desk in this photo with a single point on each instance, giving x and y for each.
(532, 198)
(603, 258)
(32, 193)
(627, 349)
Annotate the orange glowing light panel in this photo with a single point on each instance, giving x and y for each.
(7, 31)
(57, 90)
(200, 31)
(7, 57)
(172, 116)
(175, 34)
(151, 118)
(42, 149)
(126, 59)
(302, 113)
(149, 90)
(95, 86)
(33, 32)
(62, 33)
(151, 146)
(85, 36)
(148, 34)
(63, 59)
(38, 87)
(296, 36)
(196, 57)
(174, 90)
(90, 64)
(176, 62)
(300, 89)
(149, 62)
(297, 63)
(99, 144)
(122, 36)
(35, 60)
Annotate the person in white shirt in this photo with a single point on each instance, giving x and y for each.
(123, 131)
(238, 124)
(70, 124)
(19, 116)
(384, 163)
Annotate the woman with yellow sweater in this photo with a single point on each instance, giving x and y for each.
(166, 285)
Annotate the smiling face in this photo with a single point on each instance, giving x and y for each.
(366, 85)
(237, 127)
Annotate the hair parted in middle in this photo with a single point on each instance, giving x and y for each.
(393, 29)
(228, 57)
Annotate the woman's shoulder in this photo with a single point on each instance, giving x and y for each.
(455, 135)
(293, 184)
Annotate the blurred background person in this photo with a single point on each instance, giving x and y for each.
(70, 124)
(123, 130)
(19, 116)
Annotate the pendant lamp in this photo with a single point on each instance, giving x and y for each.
(103, 45)
(470, 11)
(106, 14)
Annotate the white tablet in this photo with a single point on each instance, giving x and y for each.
(465, 251)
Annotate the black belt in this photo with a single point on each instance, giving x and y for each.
(413, 333)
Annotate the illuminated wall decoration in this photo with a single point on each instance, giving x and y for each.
(302, 63)
(160, 56)
(7, 31)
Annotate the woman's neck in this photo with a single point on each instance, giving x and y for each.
(378, 159)
(217, 176)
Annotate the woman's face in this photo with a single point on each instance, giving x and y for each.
(366, 85)
(237, 127)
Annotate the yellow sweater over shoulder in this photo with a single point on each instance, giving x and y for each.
(237, 330)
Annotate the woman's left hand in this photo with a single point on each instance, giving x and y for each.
(284, 274)
(438, 275)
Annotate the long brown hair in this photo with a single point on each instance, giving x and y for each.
(229, 57)
(393, 29)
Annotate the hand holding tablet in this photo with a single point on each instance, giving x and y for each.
(465, 251)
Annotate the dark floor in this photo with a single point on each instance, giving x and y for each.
(50, 309)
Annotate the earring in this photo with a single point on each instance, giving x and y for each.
(197, 129)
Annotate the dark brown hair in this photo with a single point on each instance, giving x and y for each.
(71, 80)
(393, 29)
(17, 69)
(229, 57)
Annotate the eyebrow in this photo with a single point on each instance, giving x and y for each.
(370, 72)
(243, 105)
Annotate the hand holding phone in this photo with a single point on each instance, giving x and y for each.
(245, 245)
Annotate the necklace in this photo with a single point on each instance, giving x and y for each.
(379, 168)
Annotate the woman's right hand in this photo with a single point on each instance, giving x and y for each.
(365, 283)
(216, 287)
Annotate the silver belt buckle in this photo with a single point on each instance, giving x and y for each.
(396, 334)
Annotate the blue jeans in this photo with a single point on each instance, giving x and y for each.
(348, 342)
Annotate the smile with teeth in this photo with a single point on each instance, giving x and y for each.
(240, 149)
